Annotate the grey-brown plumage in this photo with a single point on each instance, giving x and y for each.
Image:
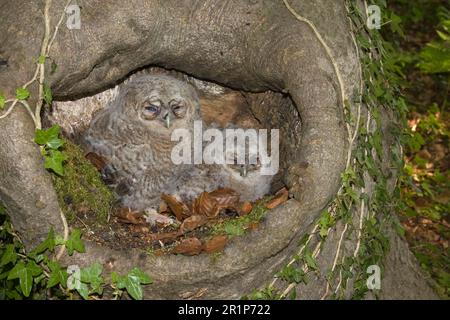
(245, 178)
(134, 132)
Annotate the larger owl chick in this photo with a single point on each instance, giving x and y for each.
(134, 133)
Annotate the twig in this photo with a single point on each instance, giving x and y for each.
(336, 257)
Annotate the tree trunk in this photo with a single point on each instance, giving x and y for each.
(247, 45)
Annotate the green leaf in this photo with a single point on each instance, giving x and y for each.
(9, 255)
(292, 274)
(57, 276)
(47, 244)
(26, 282)
(33, 268)
(310, 261)
(14, 273)
(22, 93)
(74, 243)
(83, 290)
(54, 161)
(92, 273)
(2, 101)
(25, 277)
(140, 275)
(48, 97)
(134, 288)
(49, 138)
(118, 280)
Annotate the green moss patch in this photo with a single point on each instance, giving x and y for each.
(81, 189)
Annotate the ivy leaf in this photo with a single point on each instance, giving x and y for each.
(25, 277)
(2, 101)
(22, 93)
(74, 243)
(33, 268)
(48, 97)
(54, 161)
(9, 255)
(310, 261)
(49, 138)
(118, 280)
(140, 275)
(133, 287)
(58, 275)
(92, 275)
(14, 273)
(47, 244)
(83, 290)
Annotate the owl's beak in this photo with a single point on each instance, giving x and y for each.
(167, 120)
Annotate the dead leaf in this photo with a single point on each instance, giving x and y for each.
(126, 215)
(216, 244)
(225, 197)
(156, 219)
(189, 247)
(97, 161)
(178, 208)
(163, 208)
(205, 205)
(246, 208)
(193, 222)
(280, 197)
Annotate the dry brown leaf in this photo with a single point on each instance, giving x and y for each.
(225, 197)
(205, 205)
(216, 244)
(193, 222)
(280, 197)
(126, 215)
(246, 208)
(179, 209)
(163, 208)
(97, 160)
(189, 247)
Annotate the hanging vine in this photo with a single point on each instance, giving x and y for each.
(364, 166)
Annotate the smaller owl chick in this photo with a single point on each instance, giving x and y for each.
(245, 178)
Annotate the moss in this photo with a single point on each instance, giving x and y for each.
(238, 226)
(81, 189)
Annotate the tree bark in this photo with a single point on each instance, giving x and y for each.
(246, 45)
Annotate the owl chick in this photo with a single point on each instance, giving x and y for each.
(133, 134)
(245, 178)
